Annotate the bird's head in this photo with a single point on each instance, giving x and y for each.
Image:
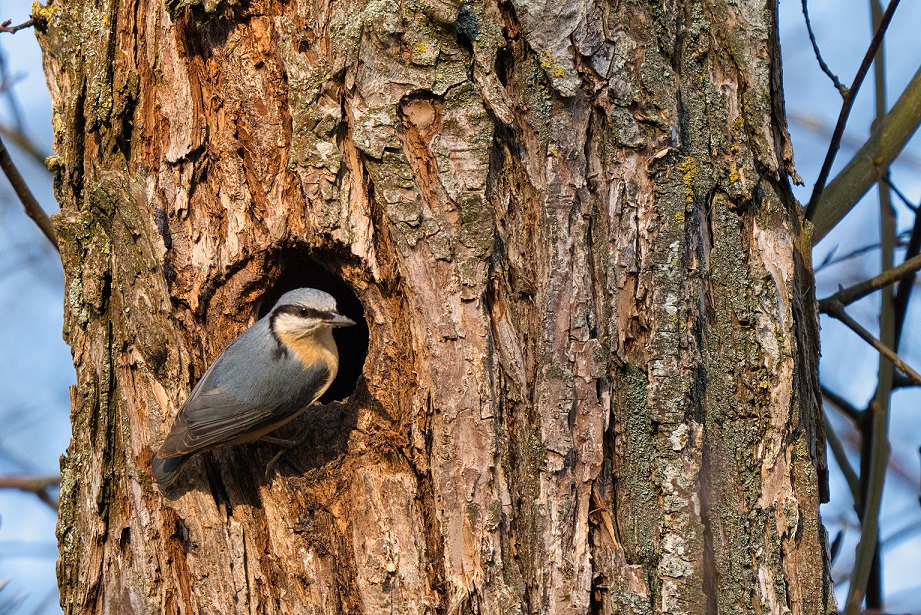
(304, 312)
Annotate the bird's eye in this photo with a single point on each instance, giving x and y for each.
(302, 312)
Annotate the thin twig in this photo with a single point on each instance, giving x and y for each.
(849, 295)
(840, 455)
(843, 406)
(6, 27)
(846, 108)
(818, 54)
(885, 144)
(831, 259)
(869, 527)
(32, 484)
(900, 381)
(6, 87)
(905, 200)
(903, 533)
(873, 587)
(835, 309)
(33, 209)
(853, 143)
(24, 143)
(903, 290)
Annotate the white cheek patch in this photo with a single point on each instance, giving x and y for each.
(287, 324)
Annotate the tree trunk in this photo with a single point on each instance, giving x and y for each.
(588, 377)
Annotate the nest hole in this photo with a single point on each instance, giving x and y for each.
(300, 270)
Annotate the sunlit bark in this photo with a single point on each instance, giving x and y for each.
(590, 372)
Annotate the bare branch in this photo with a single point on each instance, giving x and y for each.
(6, 27)
(818, 54)
(869, 521)
(835, 309)
(903, 291)
(831, 259)
(33, 209)
(32, 484)
(24, 143)
(900, 381)
(901, 534)
(846, 108)
(840, 455)
(870, 163)
(816, 126)
(905, 200)
(843, 406)
(28, 483)
(849, 295)
(872, 587)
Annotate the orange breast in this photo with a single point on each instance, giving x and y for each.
(318, 347)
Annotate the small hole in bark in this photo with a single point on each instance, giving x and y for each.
(125, 540)
(504, 65)
(301, 270)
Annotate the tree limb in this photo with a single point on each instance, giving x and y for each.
(840, 455)
(900, 381)
(871, 586)
(846, 109)
(849, 295)
(32, 484)
(869, 526)
(843, 406)
(835, 309)
(818, 54)
(869, 163)
(23, 142)
(33, 209)
(6, 27)
(906, 284)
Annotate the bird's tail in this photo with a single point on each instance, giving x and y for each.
(166, 470)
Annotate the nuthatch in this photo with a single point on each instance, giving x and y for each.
(265, 378)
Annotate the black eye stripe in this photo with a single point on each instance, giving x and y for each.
(303, 312)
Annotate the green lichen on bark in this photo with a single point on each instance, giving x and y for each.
(204, 10)
(86, 257)
(138, 268)
(637, 503)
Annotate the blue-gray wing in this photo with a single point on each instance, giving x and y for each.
(251, 387)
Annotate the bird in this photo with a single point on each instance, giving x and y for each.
(265, 378)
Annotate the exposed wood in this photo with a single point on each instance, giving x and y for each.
(590, 382)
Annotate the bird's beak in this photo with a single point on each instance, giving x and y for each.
(338, 320)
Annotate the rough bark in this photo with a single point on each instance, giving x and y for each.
(590, 382)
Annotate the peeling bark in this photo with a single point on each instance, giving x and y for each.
(588, 381)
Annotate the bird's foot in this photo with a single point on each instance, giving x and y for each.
(286, 442)
(286, 445)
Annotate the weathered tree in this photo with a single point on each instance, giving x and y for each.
(587, 381)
